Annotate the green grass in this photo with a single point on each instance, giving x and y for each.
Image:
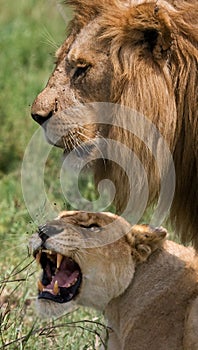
(31, 31)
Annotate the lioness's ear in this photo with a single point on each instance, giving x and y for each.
(144, 240)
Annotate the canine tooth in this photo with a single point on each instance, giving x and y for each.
(56, 288)
(59, 260)
(38, 257)
(50, 252)
(40, 286)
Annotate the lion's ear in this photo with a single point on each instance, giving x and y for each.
(144, 240)
(149, 27)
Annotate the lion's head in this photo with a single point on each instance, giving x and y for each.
(138, 54)
(74, 272)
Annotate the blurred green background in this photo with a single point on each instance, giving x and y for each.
(30, 33)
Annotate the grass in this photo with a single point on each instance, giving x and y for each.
(30, 33)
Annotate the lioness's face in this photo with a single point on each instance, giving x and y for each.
(78, 268)
(73, 273)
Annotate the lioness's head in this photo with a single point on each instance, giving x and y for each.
(74, 272)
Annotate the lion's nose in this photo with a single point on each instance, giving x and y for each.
(44, 106)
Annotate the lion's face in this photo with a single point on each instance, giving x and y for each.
(93, 66)
(73, 272)
(82, 75)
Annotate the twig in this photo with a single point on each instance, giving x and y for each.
(75, 324)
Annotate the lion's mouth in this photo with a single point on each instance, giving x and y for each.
(61, 277)
(81, 151)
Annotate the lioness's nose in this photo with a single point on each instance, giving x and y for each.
(44, 106)
(48, 230)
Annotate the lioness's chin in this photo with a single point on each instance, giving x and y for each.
(50, 309)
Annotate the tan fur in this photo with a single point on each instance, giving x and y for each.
(147, 287)
(143, 55)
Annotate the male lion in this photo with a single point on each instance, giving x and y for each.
(146, 286)
(140, 54)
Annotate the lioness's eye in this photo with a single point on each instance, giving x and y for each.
(80, 71)
(92, 227)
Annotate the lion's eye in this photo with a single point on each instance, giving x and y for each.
(80, 71)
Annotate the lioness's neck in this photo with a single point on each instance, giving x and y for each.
(154, 304)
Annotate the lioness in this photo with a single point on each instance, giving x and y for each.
(141, 54)
(146, 286)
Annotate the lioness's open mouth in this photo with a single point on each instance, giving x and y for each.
(61, 278)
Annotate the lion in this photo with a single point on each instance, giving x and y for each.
(141, 55)
(146, 285)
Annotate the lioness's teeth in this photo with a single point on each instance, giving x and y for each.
(56, 288)
(72, 283)
(59, 260)
(50, 252)
(40, 286)
(38, 257)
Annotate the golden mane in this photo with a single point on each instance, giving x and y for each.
(168, 34)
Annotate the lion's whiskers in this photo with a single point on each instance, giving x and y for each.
(48, 39)
(70, 143)
(75, 143)
(64, 143)
(94, 143)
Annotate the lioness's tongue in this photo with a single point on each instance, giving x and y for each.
(65, 280)
(65, 276)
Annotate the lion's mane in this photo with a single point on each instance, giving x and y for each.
(163, 87)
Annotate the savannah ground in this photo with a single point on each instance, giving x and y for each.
(31, 31)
